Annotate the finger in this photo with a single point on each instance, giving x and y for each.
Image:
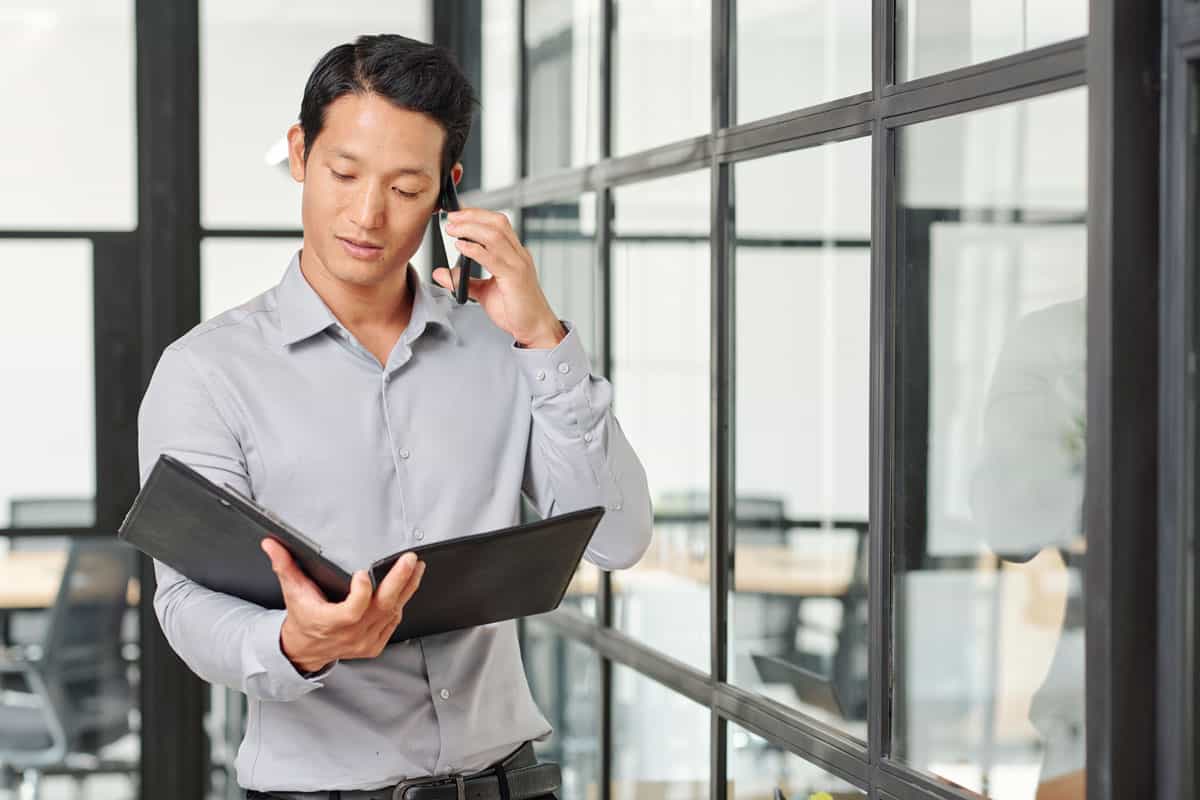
(413, 584)
(506, 249)
(496, 220)
(295, 585)
(393, 584)
(351, 609)
(381, 630)
(490, 260)
(486, 216)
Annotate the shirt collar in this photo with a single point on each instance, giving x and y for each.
(302, 312)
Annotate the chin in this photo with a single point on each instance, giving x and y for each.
(362, 273)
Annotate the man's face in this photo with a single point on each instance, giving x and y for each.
(370, 186)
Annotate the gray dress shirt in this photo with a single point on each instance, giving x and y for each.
(278, 399)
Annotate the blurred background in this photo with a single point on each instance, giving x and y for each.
(832, 254)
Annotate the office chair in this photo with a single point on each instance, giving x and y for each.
(76, 693)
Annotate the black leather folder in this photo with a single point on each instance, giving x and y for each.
(211, 534)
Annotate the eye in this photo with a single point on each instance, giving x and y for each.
(339, 176)
(409, 195)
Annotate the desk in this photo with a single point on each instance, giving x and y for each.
(29, 581)
(772, 570)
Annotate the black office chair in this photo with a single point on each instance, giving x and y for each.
(75, 693)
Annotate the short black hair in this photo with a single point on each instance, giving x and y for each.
(412, 74)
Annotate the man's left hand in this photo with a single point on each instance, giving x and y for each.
(512, 297)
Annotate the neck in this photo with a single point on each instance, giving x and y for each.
(384, 305)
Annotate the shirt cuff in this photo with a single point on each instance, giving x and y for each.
(556, 370)
(286, 681)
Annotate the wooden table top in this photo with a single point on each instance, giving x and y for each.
(776, 570)
(29, 580)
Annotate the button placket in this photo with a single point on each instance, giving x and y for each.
(396, 457)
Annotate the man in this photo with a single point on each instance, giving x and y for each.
(337, 399)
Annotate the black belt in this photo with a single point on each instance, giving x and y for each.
(517, 777)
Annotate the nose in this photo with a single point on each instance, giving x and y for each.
(367, 210)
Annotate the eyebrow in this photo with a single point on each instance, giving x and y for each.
(398, 171)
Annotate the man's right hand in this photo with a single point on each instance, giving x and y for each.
(316, 632)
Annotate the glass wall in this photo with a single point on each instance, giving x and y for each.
(47, 472)
(660, 371)
(564, 677)
(992, 427)
(792, 55)
(497, 125)
(757, 768)
(660, 741)
(798, 603)
(938, 35)
(660, 72)
(69, 640)
(562, 68)
(882, 448)
(69, 132)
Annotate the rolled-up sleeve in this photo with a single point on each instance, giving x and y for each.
(579, 457)
(223, 639)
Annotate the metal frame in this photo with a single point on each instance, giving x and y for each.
(1178, 684)
(1120, 471)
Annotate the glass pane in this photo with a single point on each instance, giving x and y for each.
(71, 131)
(497, 87)
(799, 54)
(233, 271)
(661, 72)
(798, 621)
(48, 425)
(660, 741)
(758, 767)
(244, 180)
(564, 677)
(561, 237)
(69, 633)
(938, 35)
(660, 365)
(562, 63)
(990, 550)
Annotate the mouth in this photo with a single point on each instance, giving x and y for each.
(360, 249)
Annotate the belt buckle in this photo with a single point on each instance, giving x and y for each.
(401, 789)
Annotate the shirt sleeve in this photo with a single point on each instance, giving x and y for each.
(579, 457)
(223, 639)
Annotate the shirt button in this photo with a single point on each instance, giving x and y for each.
(564, 367)
(404, 453)
(541, 375)
(445, 694)
(420, 534)
(587, 437)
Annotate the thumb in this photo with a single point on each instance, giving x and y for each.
(448, 277)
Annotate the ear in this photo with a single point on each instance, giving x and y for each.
(295, 139)
(456, 172)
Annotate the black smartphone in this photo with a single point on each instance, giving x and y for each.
(448, 201)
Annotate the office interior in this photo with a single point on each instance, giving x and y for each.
(897, 298)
